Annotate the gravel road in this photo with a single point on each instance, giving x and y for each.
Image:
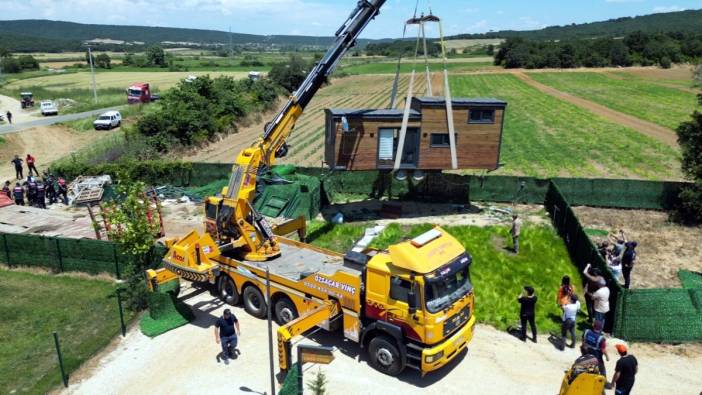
(184, 361)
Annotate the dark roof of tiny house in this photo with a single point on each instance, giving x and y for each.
(387, 114)
(461, 101)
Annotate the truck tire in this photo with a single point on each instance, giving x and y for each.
(227, 290)
(285, 311)
(384, 356)
(254, 302)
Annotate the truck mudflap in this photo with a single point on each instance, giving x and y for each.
(436, 357)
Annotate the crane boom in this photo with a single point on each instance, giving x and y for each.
(238, 225)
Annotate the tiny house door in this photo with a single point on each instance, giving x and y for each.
(388, 141)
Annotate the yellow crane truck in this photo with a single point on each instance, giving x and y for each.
(410, 306)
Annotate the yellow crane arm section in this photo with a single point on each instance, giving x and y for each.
(317, 316)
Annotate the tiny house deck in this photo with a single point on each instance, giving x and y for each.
(367, 139)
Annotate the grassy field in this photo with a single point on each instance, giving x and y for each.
(391, 68)
(665, 106)
(111, 86)
(547, 137)
(84, 313)
(497, 274)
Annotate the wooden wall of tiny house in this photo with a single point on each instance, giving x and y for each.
(477, 143)
(478, 125)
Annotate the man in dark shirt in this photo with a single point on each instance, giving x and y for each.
(225, 333)
(628, 260)
(18, 167)
(527, 312)
(624, 372)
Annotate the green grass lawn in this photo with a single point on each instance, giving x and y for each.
(391, 67)
(497, 274)
(547, 137)
(83, 311)
(646, 100)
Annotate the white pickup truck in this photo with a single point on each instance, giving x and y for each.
(48, 108)
(108, 120)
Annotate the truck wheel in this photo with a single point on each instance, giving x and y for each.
(285, 311)
(384, 356)
(227, 290)
(254, 302)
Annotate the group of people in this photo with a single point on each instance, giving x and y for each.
(593, 340)
(19, 167)
(36, 191)
(620, 255)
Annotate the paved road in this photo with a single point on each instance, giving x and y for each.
(46, 121)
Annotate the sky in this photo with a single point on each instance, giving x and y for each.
(323, 17)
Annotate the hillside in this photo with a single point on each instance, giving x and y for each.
(683, 21)
(70, 34)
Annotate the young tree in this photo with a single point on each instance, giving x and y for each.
(318, 386)
(103, 61)
(135, 235)
(27, 62)
(690, 140)
(10, 65)
(156, 56)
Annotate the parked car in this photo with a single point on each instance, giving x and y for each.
(108, 120)
(48, 108)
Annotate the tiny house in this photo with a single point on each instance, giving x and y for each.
(367, 139)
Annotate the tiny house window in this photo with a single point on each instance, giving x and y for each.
(481, 116)
(440, 140)
(386, 144)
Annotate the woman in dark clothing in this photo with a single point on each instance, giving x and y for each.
(527, 312)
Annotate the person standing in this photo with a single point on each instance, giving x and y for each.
(226, 333)
(628, 261)
(7, 190)
(565, 291)
(63, 190)
(624, 372)
(594, 282)
(31, 191)
(9, 117)
(50, 189)
(619, 241)
(41, 195)
(30, 165)
(18, 193)
(18, 167)
(594, 343)
(515, 232)
(527, 312)
(570, 314)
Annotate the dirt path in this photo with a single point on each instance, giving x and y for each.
(650, 129)
(46, 143)
(18, 114)
(184, 361)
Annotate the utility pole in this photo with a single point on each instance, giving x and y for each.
(92, 71)
(270, 330)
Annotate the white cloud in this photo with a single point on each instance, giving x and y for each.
(672, 8)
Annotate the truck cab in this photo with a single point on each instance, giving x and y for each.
(419, 304)
(140, 92)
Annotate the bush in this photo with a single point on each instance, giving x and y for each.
(666, 63)
(27, 62)
(291, 74)
(690, 140)
(196, 111)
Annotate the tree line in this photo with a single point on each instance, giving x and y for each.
(637, 48)
(11, 64)
(402, 47)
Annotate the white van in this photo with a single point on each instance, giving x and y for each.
(108, 120)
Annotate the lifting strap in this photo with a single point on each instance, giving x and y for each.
(449, 102)
(408, 107)
(430, 91)
(393, 95)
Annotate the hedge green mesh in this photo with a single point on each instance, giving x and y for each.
(166, 312)
(290, 384)
(690, 279)
(660, 315)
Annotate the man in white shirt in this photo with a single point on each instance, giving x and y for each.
(570, 313)
(516, 231)
(600, 299)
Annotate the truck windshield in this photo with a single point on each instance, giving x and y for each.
(134, 92)
(104, 118)
(448, 284)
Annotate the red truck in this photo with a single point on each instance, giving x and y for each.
(140, 92)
